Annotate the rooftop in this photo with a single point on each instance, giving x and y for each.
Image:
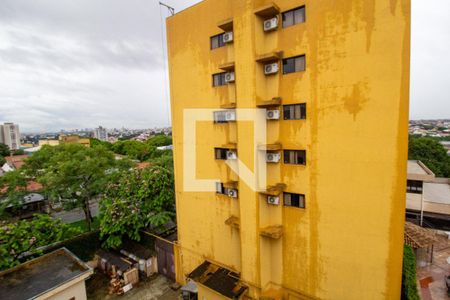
(41, 275)
(418, 171)
(219, 279)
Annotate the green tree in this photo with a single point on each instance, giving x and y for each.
(431, 153)
(2, 160)
(139, 199)
(96, 143)
(74, 174)
(27, 236)
(134, 149)
(13, 185)
(4, 150)
(18, 152)
(160, 140)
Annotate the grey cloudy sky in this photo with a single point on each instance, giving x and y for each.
(82, 63)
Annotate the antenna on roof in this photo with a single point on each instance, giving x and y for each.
(170, 8)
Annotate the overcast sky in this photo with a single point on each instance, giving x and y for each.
(68, 64)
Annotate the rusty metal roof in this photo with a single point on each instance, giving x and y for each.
(219, 279)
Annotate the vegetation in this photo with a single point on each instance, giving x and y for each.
(431, 153)
(71, 174)
(81, 226)
(27, 236)
(139, 199)
(13, 185)
(2, 160)
(97, 143)
(409, 284)
(142, 150)
(18, 152)
(4, 150)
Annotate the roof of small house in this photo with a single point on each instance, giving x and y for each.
(42, 275)
(219, 279)
(114, 259)
(418, 237)
(16, 161)
(137, 249)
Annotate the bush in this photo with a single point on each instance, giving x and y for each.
(409, 280)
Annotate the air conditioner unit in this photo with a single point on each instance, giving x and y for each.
(273, 114)
(273, 157)
(231, 154)
(273, 200)
(230, 116)
(232, 193)
(229, 77)
(271, 24)
(271, 69)
(227, 37)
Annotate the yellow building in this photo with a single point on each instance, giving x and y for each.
(48, 142)
(67, 139)
(334, 78)
(74, 139)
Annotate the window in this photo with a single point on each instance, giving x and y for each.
(294, 64)
(219, 79)
(294, 16)
(414, 186)
(217, 41)
(220, 153)
(294, 200)
(294, 111)
(295, 157)
(220, 116)
(220, 188)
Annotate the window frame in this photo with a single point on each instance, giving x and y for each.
(286, 157)
(221, 80)
(220, 42)
(284, 13)
(293, 59)
(302, 108)
(300, 198)
(222, 150)
(414, 186)
(221, 119)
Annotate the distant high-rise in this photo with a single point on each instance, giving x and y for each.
(10, 135)
(100, 133)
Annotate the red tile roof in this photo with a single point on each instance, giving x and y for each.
(16, 161)
(32, 186)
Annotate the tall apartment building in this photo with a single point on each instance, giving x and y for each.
(333, 76)
(100, 133)
(10, 135)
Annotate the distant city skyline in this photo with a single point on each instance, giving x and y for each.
(108, 65)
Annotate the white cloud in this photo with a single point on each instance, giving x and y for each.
(72, 64)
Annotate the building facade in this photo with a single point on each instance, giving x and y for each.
(101, 134)
(427, 197)
(332, 77)
(10, 135)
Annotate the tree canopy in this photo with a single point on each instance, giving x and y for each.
(431, 153)
(74, 174)
(141, 198)
(27, 236)
(4, 150)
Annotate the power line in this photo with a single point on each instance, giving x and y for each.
(166, 93)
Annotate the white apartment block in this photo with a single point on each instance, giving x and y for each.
(10, 135)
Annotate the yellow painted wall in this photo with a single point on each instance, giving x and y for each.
(347, 243)
(49, 142)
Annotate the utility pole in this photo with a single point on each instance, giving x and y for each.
(170, 8)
